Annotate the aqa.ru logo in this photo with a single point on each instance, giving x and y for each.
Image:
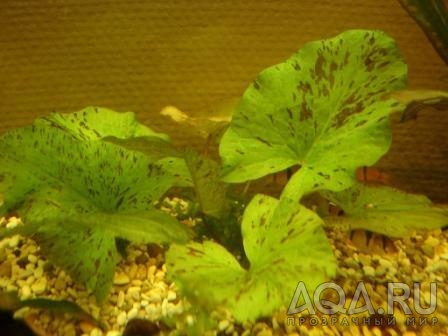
(328, 307)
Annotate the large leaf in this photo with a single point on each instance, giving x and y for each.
(68, 184)
(386, 210)
(322, 109)
(285, 244)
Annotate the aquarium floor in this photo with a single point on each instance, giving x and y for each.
(140, 290)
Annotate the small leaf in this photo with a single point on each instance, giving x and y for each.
(386, 210)
(416, 100)
(275, 234)
(323, 109)
(210, 191)
(210, 122)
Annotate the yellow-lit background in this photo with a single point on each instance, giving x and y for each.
(62, 55)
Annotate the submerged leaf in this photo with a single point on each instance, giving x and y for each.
(210, 123)
(10, 301)
(74, 189)
(210, 190)
(432, 17)
(88, 255)
(416, 100)
(386, 210)
(323, 109)
(273, 233)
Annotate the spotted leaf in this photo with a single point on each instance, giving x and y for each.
(386, 210)
(273, 232)
(322, 109)
(68, 184)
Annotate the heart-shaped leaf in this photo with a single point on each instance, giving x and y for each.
(74, 190)
(386, 210)
(322, 109)
(275, 235)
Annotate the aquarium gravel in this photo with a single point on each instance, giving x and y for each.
(140, 290)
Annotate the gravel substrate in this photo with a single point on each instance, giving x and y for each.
(140, 290)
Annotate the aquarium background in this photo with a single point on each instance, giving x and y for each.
(63, 55)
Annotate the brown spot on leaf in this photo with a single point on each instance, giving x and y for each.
(305, 112)
(264, 141)
(319, 67)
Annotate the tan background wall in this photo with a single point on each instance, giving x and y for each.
(61, 55)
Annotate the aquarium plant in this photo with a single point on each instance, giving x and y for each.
(432, 17)
(81, 181)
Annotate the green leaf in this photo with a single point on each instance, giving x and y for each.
(10, 301)
(88, 255)
(168, 157)
(99, 123)
(210, 190)
(432, 17)
(285, 244)
(68, 184)
(386, 210)
(416, 100)
(322, 109)
(154, 147)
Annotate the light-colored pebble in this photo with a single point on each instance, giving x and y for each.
(96, 332)
(39, 286)
(113, 333)
(120, 299)
(132, 314)
(368, 271)
(223, 325)
(14, 241)
(121, 279)
(121, 319)
(26, 292)
(171, 295)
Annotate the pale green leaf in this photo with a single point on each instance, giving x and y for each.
(322, 109)
(275, 235)
(386, 210)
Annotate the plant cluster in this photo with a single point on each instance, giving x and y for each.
(81, 181)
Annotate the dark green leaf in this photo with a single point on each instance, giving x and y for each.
(210, 191)
(10, 301)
